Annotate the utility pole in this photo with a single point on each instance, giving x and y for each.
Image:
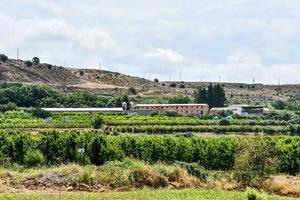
(65, 61)
(17, 53)
(253, 80)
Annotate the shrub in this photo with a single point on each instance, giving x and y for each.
(224, 122)
(255, 162)
(156, 80)
(28, 63)
(8, 107)
(3, 58)
(144, 177)
(35, 60)
(34, 158)
(173, 85)
(40, 113)
(195, 169)
(132, 90)
(253, 194)
(97, 123)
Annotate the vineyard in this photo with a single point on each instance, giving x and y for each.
(122, 123)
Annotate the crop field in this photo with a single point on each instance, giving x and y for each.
(144, 195)
(94, 152)
(120, 123)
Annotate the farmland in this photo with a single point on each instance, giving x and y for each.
(125, 151)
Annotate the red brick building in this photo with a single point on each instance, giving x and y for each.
(181, 109)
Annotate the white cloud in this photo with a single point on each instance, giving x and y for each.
(168, 55)
(236, 38)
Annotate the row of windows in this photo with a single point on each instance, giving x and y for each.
(177, 107)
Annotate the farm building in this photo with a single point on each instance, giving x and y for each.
(242, 110)
(83, 109)
(181, 109)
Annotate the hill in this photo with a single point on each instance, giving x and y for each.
(106, 83)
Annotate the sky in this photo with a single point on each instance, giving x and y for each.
(188, 40)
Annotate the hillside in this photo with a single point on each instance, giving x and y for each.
(108, 83)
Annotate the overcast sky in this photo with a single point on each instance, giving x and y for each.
(202, 39)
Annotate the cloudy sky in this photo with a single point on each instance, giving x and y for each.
(235, 40)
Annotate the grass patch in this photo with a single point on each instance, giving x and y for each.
(145, 194)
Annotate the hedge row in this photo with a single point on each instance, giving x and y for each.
(216, 129)
(97, 148)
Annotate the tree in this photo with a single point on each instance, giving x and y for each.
(35, 60)
(125, 99)
(156, 80)
(200, 96)
(219, 96)
(214, 96)
(3, 58)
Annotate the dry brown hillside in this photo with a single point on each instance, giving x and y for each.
(108, 83)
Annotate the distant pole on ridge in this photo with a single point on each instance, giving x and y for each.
(17, 53)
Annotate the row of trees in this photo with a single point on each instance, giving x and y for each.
(45, 96)
(214, 96)
(97, 148)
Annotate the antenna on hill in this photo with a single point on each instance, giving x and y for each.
(65, 61)
(253, 80)
(17, 53)
(180, 73)
(99, 65)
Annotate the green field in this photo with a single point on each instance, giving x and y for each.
(191, 194)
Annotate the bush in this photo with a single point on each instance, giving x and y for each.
(224, 122)
(8, 107)
(195, 169)
(97, 123)
(34, 158)
(156, 80)
(255, 162)
(35, 60)
(28, 63)
(253, 194)
(40, 113)
(173, 85)
(132, 90)
(3, 58)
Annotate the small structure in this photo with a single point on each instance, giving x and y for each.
(242, 110)
(181, 109)
(83, 109)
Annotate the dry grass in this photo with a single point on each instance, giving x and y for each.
(283, 185)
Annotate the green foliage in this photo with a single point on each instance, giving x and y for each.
(40, 113)
(45, 96)
(34, 158)
(214, 96)
(8, 107)
(180, 99)
(255, 155)
(97, 123)
(255, 162)
(224, 122)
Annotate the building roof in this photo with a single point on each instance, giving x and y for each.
(166, 105)
(83, 109)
